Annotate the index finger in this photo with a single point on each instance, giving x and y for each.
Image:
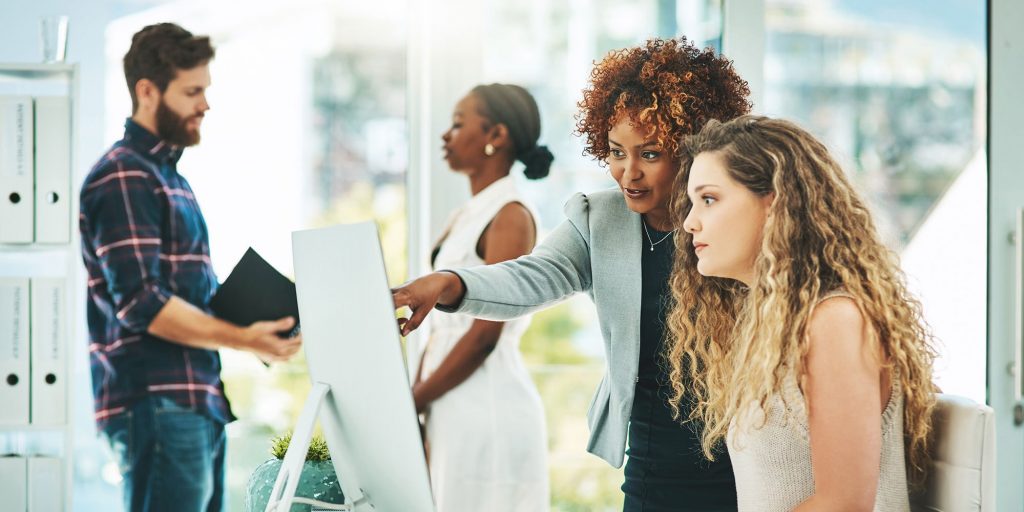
(401, 298)
(414, 320)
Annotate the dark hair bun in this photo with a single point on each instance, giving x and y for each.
(538, 162)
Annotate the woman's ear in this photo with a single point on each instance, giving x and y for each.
(766, 201)
(497, 136)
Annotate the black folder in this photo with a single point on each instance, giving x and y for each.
(255, 291)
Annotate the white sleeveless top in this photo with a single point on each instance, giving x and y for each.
(772, 464)
(488, 441)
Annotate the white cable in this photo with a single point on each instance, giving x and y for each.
(321, 504)
(316, 503)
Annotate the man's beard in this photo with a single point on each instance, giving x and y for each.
(173, 129)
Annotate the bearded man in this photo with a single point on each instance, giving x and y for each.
(153, 344)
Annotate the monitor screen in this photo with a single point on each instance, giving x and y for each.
(351, 340)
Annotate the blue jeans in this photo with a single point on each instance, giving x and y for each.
(171, 457)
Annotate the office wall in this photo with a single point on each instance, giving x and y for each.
(19, 42)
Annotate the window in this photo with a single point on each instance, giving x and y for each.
(897, 91)
(307, 128)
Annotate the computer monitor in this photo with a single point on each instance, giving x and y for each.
(352, 344)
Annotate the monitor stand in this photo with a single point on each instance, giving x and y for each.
(283, 495)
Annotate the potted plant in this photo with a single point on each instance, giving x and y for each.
(317, 482)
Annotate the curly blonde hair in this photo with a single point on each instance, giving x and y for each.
(732, 345)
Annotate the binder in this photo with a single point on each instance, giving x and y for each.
(16, 170)
(49, 352)
(45, 484)
(53, 170)
(14, 483)
(255, 291)
(14, 351)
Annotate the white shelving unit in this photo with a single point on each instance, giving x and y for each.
(53, 261)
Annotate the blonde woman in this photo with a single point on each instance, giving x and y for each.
(805, 352)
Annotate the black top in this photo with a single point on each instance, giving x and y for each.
(666, 469)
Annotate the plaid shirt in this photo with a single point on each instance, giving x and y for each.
(144, 240)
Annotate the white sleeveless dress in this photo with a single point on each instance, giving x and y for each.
(488, 441)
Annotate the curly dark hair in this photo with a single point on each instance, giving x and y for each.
(159, 51)
(668, 86)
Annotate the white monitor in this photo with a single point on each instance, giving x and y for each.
(352, 344)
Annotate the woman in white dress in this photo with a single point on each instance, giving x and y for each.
(484, 418)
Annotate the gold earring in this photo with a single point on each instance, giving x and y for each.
(489, 149)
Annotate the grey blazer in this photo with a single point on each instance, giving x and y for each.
(596, 251)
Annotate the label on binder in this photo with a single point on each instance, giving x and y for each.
(17, 196)
(14, 351)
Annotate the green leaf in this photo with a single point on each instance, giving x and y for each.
(317, 452)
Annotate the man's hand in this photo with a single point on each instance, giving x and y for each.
(262, 339)
(182, 323)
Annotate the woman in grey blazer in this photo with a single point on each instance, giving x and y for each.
(616, 246)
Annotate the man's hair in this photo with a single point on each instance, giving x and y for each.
(159, 51)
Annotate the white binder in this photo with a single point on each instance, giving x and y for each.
(16, 169)
(14, 351)
(45, 484)
(49, 352)
(14, 483)
(53, 170)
